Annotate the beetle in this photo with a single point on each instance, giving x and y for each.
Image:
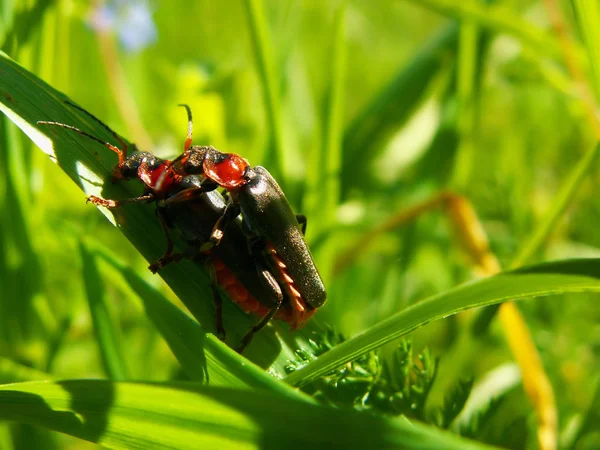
(183, 203)
(274, 232)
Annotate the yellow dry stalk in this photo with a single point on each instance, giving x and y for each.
(474, 240)
(535, 380)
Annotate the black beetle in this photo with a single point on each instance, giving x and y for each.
(251, 279)
(274, 231)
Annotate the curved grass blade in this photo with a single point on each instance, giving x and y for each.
(186, 416)
(11, 371)
(105, 328)
(395, 102)
(559, 277)
(265, 62)
(499, 19)
(202, 356)
(588, 426)
(25, 99)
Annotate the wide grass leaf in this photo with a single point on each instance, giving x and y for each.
(25, 99)
(202, 356)
(187, 415)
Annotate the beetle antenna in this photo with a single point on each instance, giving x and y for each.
(117, 150)
(123, 150)
(188, 140)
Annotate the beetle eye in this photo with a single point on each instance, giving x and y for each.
(129, 169)
(152, 162)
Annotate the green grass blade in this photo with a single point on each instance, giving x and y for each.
(105, 328)
(561, 201)
(11, 371)
(202, 356)
(334, 120)
(541, 233)
(57, 340)
(23, 273)
(25, 99)
(265, 62)
(394, 104)
(186, 415)
(578, 275)
(588, 426)
(588, 18)
(466, 96)
(500, 19)
(325, 186)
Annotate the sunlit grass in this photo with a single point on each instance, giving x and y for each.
(319, 94)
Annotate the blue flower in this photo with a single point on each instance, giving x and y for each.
(131, 20)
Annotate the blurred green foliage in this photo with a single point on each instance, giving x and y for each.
(407, 99)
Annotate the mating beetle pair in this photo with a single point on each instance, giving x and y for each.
(252, 244)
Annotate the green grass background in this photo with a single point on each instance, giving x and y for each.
(360, 109)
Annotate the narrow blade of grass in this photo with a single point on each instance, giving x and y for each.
(265, 62)
(466, 96)
(588, 16)
(393, 105)
(324, 197)
(544, 229)
(202, 356)
(499, 19)
(578, 275)
(332, 150)
(11, 371)
(23, 273)
(105, 327)
(563, 199)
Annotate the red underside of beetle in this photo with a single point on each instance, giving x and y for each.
(295, 312)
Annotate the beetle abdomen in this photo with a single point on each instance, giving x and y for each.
(248, 303)
(236, 291)
(295, 308)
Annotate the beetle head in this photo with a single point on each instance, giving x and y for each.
(192, 160)
(228, 170)
(128, 169)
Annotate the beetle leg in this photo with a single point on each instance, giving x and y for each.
(218, 301)
(146, 198)
(210, 268)
(232, 210)
(162, 219)
(301, 218)
(168, 256)
(257, 246)
(167, 259)
(267, 278)
(225, 194)
(190, 194)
